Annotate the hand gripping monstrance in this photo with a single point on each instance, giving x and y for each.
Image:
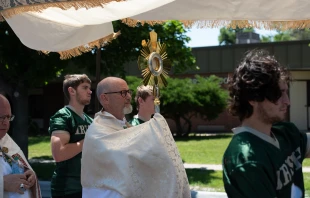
(154, 65)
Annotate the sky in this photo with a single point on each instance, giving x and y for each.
(209, 36)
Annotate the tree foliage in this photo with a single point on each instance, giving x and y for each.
(22, 65)
(185, 98)
(227, 36)
(22, 68)
(291, 35)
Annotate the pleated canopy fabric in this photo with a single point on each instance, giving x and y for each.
(70, 27)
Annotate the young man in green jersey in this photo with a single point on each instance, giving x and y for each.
(67, 128)
(264, 157)
(145, 105)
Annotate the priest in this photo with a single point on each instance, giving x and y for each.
(120, 161)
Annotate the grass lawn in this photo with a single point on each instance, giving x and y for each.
(196, 150)
(39, 147)
(199, 149)
(203, 149)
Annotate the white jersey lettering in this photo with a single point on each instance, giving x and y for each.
(286, 171)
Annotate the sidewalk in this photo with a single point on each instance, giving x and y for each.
(45, 185)
(46, 192)
(217, 167)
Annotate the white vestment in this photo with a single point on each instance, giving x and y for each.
(15, 151)
(141, 161)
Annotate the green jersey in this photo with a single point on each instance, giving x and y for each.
(67, 175)
(257, 165)
(136, 121)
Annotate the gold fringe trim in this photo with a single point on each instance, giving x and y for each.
(64, 5)
(87, 47)
(268, 25)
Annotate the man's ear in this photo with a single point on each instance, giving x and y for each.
(140, 100)
(104, 98)
(71, 90)
(252, 103)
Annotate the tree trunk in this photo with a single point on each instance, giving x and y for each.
(98, 65)
(189, 126)
(177, 120)
(20, 123)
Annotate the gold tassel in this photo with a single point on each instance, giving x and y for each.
(82, 49)
(268, 25)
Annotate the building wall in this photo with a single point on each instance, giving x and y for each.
(299, 98)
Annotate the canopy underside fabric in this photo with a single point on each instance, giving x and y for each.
(68, 40)
(266, 14)
(71, 27)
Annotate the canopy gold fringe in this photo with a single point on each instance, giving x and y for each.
(86, 48)
(9, 12)
(268, 25)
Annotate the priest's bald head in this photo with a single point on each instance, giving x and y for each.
(5, 115)
(114, 95)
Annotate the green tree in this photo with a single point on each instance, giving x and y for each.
(288, 35)
(227, 36)
(266, 39)
(184, 98)
(127, 48)
(283, 36)
(22, 68)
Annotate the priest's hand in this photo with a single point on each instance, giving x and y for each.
(31, 177)
(14, 182)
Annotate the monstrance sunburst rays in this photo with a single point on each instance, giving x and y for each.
(154, 64)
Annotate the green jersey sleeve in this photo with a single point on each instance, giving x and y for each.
(292, 132)
(60, 121)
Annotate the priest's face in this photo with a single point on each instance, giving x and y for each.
(119, 102)
(5, 116)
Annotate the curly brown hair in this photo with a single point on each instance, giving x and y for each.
(255, 79)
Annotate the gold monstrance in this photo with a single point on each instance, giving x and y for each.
(154, 65)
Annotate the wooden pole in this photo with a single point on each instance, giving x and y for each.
(98, 64)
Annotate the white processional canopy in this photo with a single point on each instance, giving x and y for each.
(73, 27)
